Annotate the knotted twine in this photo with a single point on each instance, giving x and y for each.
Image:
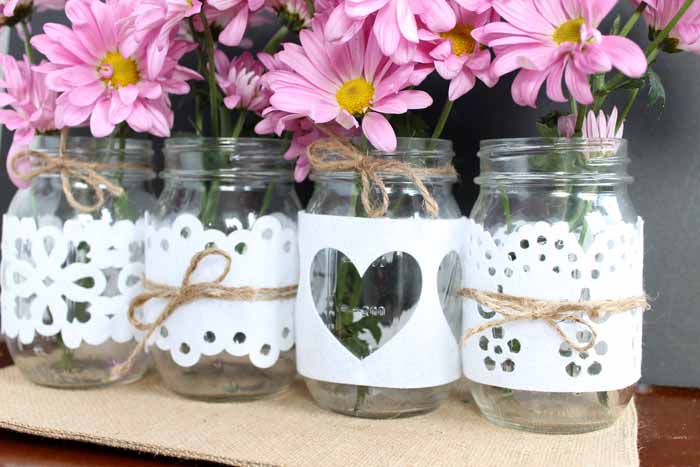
(515, 308)
(323, 157)
(71, 169)
(189, 292)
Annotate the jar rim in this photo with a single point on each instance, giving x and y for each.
(206, 142)
(551, 161)
(205, 157)
(87, 144)
(508, 147)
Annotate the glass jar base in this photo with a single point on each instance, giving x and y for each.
(47, 362)
(376, 402)
(225, 378)
(551, 412)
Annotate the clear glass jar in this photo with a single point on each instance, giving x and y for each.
(230, 185)
(577, 181)
(336, 193)
(57, 338)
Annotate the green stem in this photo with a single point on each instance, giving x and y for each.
(122, 210)
(276, 40)
(632, 20)
(506, 210)
(584, 231)
(211, 77)
(444, 115)
(267, 199)
(27, 44)
(579, 119)
(574, 106)
(651, 51)
(198, 118)
(667, 30)
(240, 123)
(627, 108)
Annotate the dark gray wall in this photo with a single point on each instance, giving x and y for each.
(666, 165)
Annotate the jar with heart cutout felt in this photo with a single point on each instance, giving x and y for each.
(378, 314)
(73, 257)
(553, 285)
(223, 235)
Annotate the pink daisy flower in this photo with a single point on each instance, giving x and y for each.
(304, 132)
(14, 11)
(554, 39)
(685, 35)
(241, 81)
(601, 126)
(292, 12)
(396, 23)
(232, 16)
(32, 106)
(457, 56)
(593, 127)
(154, 22)
(44, 5)
(342, 83)
(104, 74)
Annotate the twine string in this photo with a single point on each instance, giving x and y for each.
(323, 157)
(515, 308)
(188, 292)
(71, 169)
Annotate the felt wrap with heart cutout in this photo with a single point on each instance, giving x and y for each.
(423, 350)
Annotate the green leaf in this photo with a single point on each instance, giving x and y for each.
(633, 83)
(615, 28)
(410, 125)
(547, 125)
(346, 317)
(546, 131)
(371, 323)
(657, 93)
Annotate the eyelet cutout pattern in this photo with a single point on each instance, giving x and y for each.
(265, 255)
(546, 261)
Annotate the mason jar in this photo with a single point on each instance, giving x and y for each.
(374, 338)
(554, 221)
(236, 195)
(68, 275)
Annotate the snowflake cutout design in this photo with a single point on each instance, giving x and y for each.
(581, 359)
(498, 345)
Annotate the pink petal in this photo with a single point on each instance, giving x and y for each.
(233, 32)
(460, 85)
(577, 82)
(386, 30)
(99, 120)
(526, 86)
(625, 55)
(379, 132)
(416, 99)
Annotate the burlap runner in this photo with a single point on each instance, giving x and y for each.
(289, 430)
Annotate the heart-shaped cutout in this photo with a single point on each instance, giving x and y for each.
(449, 281)
(365, 312)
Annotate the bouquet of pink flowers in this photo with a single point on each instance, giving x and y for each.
(355, 69)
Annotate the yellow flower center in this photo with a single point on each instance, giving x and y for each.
(119, 71)
(569, 31)
(355, 96)
(461, 39)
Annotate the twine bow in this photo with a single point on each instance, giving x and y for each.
(514, 308)
(87, 172)
(370, 170)
(189, 292)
